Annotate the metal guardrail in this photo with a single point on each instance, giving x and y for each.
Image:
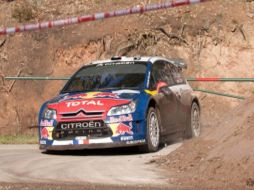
(36, 78)
(191, 79)
(219, 93)
(215, 79)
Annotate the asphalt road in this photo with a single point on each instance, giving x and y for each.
(26, 164)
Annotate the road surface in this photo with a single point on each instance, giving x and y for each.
(26, 164)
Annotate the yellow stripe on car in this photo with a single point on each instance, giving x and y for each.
(152, 92)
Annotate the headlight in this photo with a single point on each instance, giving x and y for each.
(123, 109)
(49, 114)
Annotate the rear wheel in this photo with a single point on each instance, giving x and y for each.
(152, 131)
(194, 127)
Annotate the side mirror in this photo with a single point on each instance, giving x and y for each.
(160, 86)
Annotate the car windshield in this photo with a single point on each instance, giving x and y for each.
(108, 76)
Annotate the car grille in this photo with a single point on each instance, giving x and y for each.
(81, 114)
(70, 130)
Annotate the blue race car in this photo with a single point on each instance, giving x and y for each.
(125, 101)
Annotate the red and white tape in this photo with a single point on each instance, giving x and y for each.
(98, 16)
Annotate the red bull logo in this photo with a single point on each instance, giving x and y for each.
(123, 129)
(44, 133)
(91, 95)
(107, 95)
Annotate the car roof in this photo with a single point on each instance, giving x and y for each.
(176, 62)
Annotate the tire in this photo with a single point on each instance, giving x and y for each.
(152, 132)
(194, 127)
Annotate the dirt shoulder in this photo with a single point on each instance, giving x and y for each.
(222, 158)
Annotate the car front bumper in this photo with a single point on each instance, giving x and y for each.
(122, 134)
(88, 144)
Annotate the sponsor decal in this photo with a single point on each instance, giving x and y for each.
(126, 138)
(78, 142)
(121, 129)
(43, 142)
(46, 123)
(136, 141)
(46, 133)
(84, 102)
(151, 92)
(126, 91)
(81, 125)
(81, 138)
(116, 63)
(86, 141)
(91, 95)
(67, 142)
(106, 95)
(122, 118)
(100, 140)
(148, 79)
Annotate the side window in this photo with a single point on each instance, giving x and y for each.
(155, 75)
(161, 72)
(153, 83)
(177, 75)
(168, 74)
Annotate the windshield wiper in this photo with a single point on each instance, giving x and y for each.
(102, 89)
(120, 88)
(74, 91)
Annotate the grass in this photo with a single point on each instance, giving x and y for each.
(18, 139)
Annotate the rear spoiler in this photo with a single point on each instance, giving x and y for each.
(180, 63)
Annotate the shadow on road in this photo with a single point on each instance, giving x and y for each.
(100, 152)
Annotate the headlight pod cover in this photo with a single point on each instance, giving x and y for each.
(123, 109)
(49, 114)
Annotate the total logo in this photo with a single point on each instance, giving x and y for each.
(84, 102)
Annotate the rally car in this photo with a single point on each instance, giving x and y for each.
(124, 101)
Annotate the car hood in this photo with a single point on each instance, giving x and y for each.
(91, 101)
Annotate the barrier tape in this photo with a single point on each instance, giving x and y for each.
(98, 16)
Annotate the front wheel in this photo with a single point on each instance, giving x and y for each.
(194, 126)
(152, 131)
